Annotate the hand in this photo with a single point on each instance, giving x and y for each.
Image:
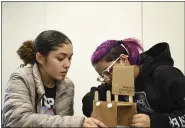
(91, 122)
(141, 120)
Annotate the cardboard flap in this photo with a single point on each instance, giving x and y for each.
(123, 80)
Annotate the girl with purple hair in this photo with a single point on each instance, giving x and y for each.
(160, 87)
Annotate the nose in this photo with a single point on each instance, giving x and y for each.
(67, 63)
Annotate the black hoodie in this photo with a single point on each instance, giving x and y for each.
(160, 90)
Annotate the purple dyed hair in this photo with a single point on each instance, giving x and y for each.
(131, 44)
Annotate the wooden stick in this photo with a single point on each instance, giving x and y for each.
(130, 99)
(96, 97)
(115, 97)
(108, 96)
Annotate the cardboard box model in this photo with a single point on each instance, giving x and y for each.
(116, 113)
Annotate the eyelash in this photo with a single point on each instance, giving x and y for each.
(63, 59)
(60, 59)
(70, 58)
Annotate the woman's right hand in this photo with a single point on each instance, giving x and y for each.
(91, 122)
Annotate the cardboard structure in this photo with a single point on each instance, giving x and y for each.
(117, 113)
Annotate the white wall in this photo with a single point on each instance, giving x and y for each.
(87, 24)
(164, 21)
(20, 21)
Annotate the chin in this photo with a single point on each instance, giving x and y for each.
(60, 78)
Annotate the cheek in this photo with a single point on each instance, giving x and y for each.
(53, 66)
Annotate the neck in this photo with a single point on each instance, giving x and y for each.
(46, 79)
(136, 71)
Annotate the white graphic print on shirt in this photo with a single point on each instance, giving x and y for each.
(47, 106)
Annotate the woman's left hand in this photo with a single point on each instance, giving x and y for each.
(141, 120)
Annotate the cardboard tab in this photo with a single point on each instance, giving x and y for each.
(123, 80)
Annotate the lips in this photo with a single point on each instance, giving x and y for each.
(63, 73)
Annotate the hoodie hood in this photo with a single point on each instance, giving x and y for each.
(157, 55)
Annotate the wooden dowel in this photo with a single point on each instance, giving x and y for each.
(96, 97)
(108, 96)
(130, 99)
(116, 97)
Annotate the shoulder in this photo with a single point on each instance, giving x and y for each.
(165, 69)
(165, 72)
(23, 71)
(20, 78)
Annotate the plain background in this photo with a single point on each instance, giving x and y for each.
(88, 24)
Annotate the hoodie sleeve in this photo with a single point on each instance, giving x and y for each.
(87, 101)
(174, 80)
(87, 104)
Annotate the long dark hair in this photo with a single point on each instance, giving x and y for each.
(45, 42)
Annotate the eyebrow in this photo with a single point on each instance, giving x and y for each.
(64, 54)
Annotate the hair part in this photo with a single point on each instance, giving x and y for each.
(44, 43)
(111, 50)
